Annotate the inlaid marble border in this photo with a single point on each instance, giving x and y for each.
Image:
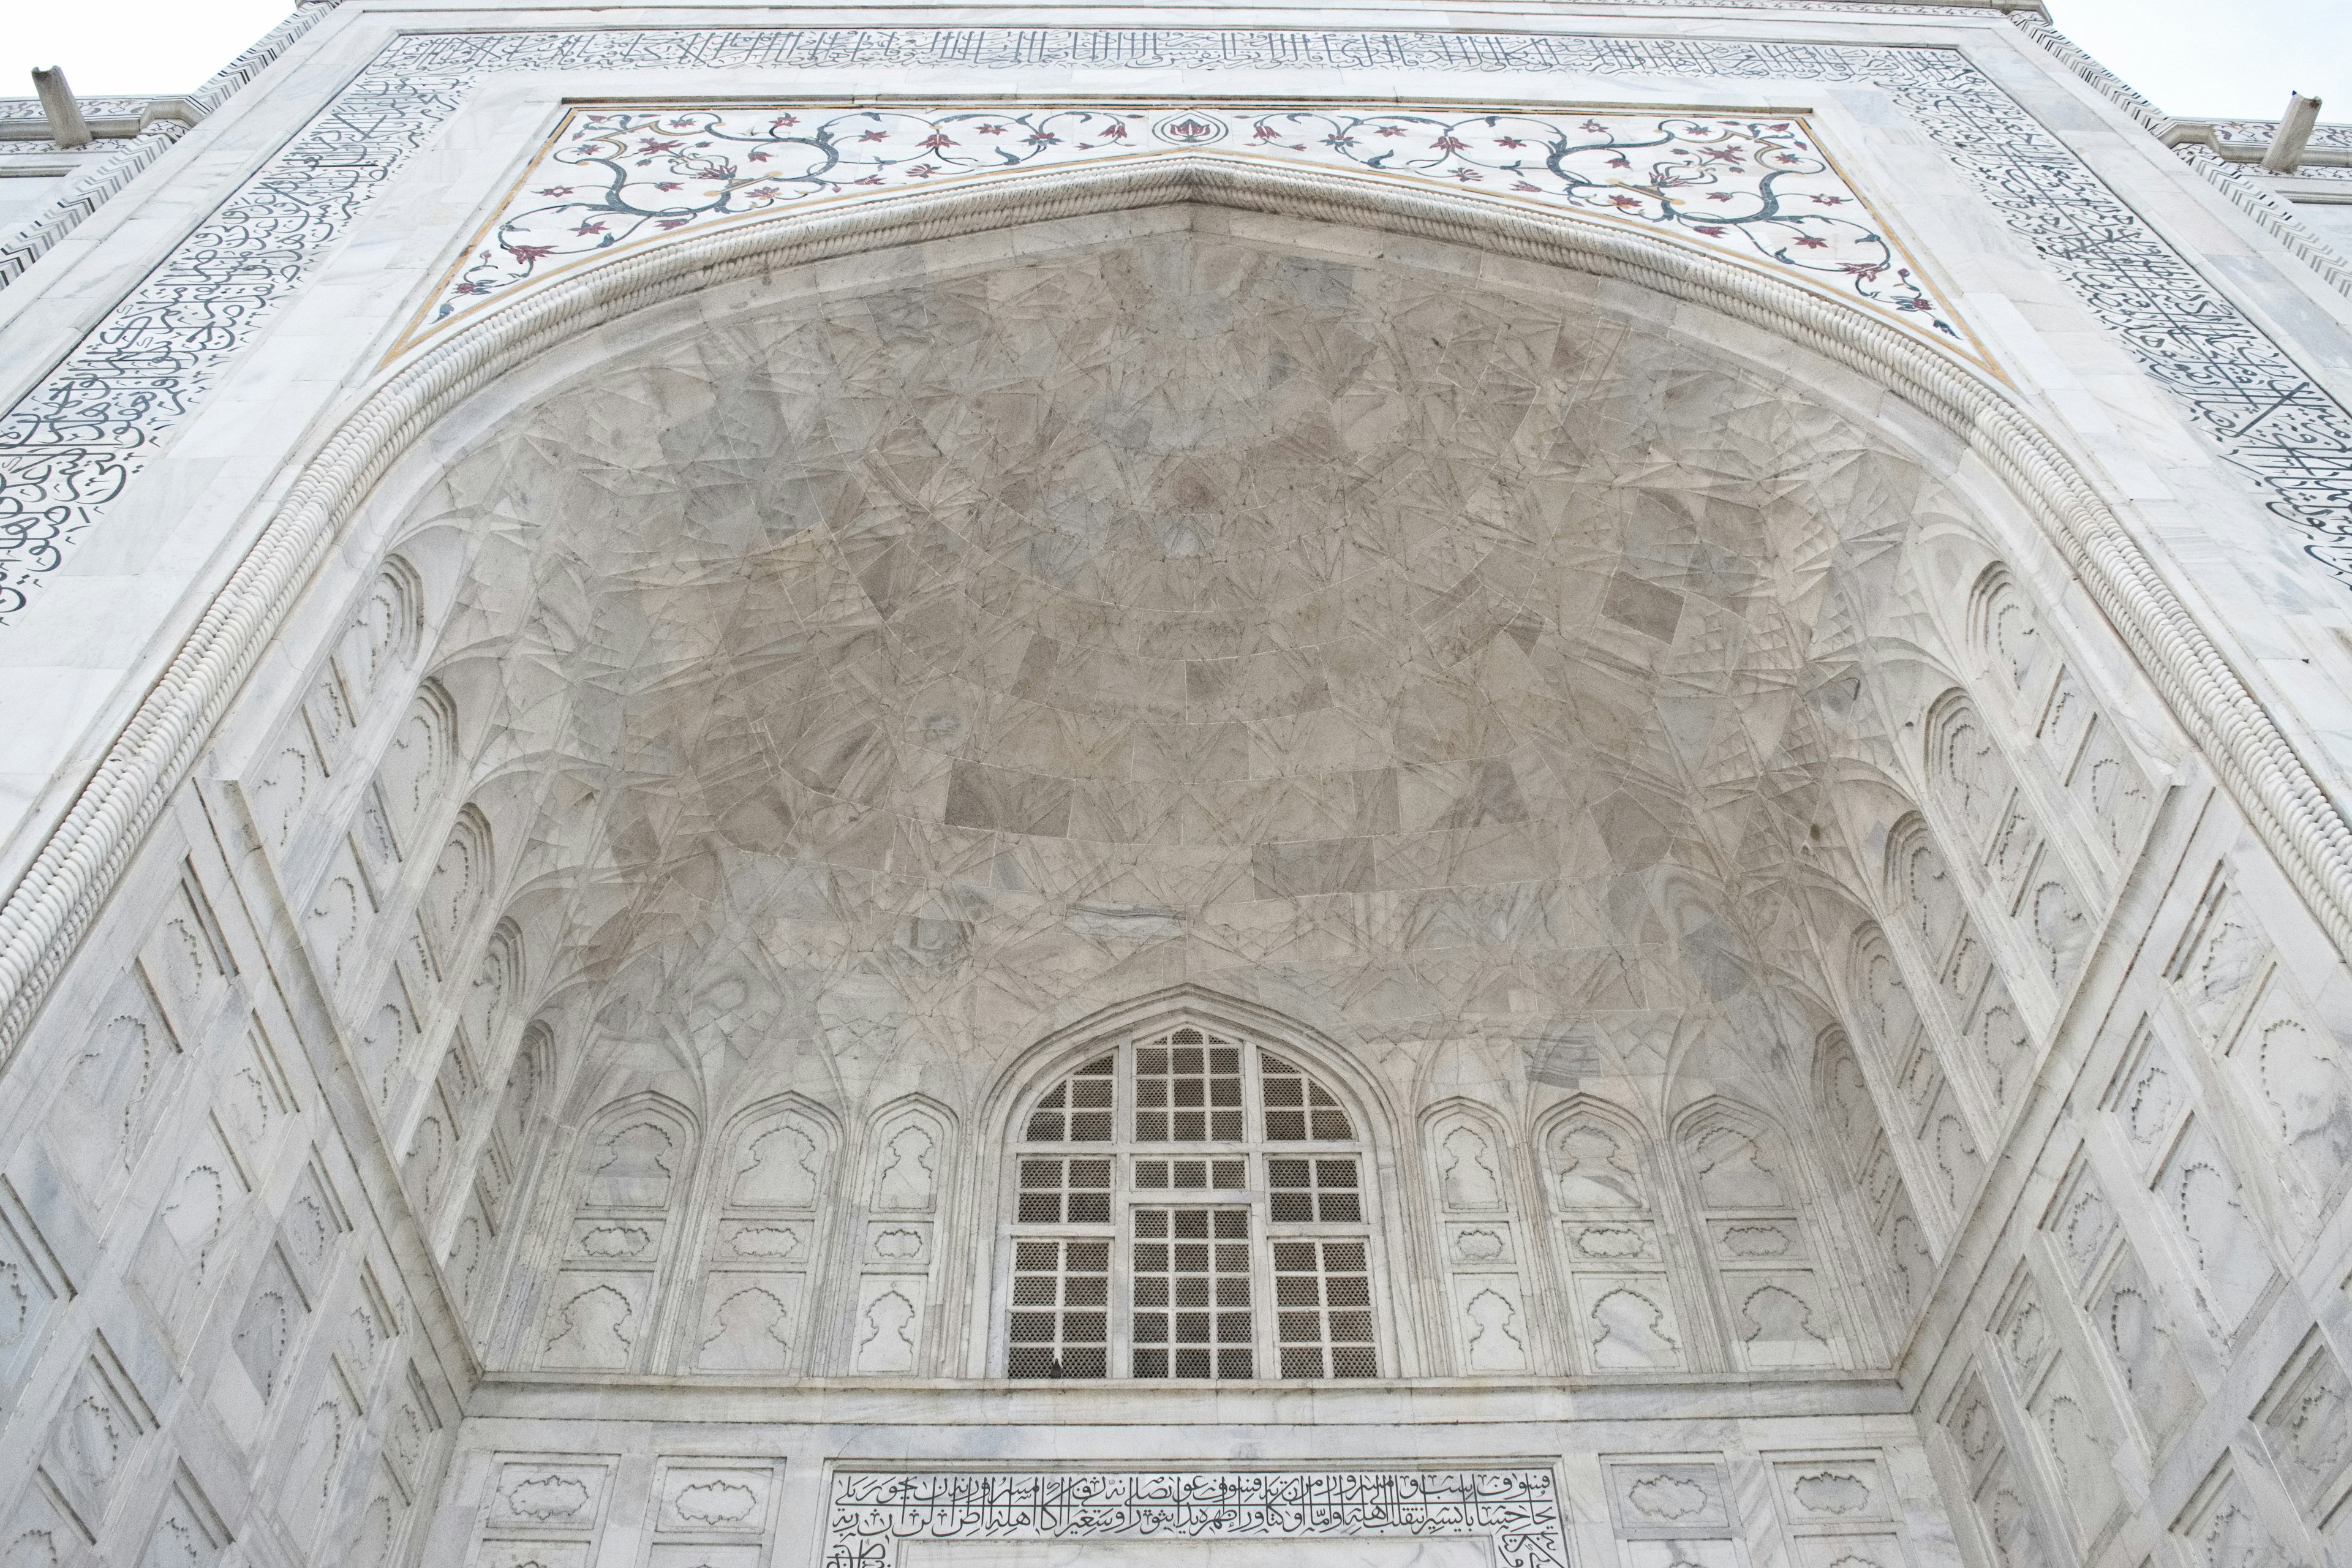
(1515, 1511)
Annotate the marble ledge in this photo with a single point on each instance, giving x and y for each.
(994, 1402)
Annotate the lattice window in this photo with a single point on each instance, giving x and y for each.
(1188, 1089)
(1193, 1293)
(1323, 1305)
(1140, 1259)
(1061, 1309)
(1305, 1191)
(1297, 1107)
(1077, 1110)
(1071, 1192)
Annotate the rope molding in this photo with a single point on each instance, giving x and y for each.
(84, 856)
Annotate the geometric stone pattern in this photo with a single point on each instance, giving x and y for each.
(1763, 190)
(71, 443)
(1516, 1513)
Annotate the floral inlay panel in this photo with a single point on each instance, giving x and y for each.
(1759, 187)
(1516, 1511)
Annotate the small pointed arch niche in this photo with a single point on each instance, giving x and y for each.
(417, 765)
(1874, 1169)
(1967, 776)
(488, 1008)
(1475, 1175)
(457, 886)
(629, 1176)
(906, 1233)
(1188, 1198)
(386, 627)
(771, 1187)
(501, 1174)
(909, 1157)
(1763, 1246)
(1601, 1179)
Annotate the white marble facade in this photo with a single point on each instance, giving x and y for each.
(1614, 845)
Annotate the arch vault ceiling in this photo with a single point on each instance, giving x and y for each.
(907, 673)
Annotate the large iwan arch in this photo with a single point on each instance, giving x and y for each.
(1191, 835)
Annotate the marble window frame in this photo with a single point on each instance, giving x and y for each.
(1373, 1148)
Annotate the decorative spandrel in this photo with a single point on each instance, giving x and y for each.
(76, 438)
(1760, 187)
(1517, 1512)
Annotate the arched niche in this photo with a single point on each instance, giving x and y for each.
(1770, 1248)
(768, 1202)
(615, 1225)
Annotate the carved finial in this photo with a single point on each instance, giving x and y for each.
(2293, 134)
(66, 127)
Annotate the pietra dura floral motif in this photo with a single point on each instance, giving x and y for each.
(1759, 188)
(72, 443)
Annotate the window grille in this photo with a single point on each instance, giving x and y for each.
(1061, 1309)
(1188, 1090)
(1193, 1293)
(1323, 1301)
(1077, 1110)
(1140, 1258)
(1297, 1107)
(1305, 1191)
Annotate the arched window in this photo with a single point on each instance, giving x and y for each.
(1189, 1204)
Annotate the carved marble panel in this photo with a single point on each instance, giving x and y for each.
(94, 1437)
(544, 1508)
(2306, 1422)
(1686, 1499)
(1516, 1512)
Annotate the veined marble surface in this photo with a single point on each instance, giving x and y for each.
(1818, 1067)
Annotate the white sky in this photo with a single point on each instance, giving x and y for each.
(2190, 57)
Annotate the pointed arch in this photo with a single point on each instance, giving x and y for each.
(73, 873)
(629, 1177)
(418, 763)
(2005, 626)
(772, 1186)
(1475, 1178)
(1612, 1169)
(1372, 1113)
(909, 1155)
(385, 630)
(1117, 1236)
(1473, 1169)
(1874, 1171)
(481, 1246)
(1759, 1236)
(487, 1005)
(1601, 1175)
(1967, 775)
(458, 885)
